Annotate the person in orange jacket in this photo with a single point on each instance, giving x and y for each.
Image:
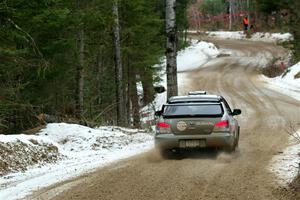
(246, 23)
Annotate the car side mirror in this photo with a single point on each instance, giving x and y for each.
(236, 112)
(159, 89)
(158, 113)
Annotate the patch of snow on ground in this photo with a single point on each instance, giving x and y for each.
(286, 165)
(196, 55)
(258, 36)
(234, 35)
(287, 84)
(272, 37)
(84, 149)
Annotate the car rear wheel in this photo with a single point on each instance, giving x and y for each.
(170, 154)
(165, 153)
(237, 140)
(232, 148)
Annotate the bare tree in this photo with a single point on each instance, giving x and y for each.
(80, 70)
(135, 102)
(80, 75)
(292, 130)
(119, 68)
(171, 51)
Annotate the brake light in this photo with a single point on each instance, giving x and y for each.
(163, 125)
(222, 124)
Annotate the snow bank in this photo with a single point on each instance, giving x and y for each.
(237, 35)
(81, 149)
(258, 36)
(288, 83)
(195, 55)
(286, 165)
(190, 58)
(272, 37)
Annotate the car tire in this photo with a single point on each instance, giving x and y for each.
(231, 149)
(165, 153)
(237, 140)
(169, 154)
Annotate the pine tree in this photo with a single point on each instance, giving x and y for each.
(58, 58)
(119, 68)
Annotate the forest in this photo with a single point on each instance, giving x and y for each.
(58, 58)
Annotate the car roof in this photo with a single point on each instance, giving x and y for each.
(194, 99)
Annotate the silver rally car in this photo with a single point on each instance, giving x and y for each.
(194, 121)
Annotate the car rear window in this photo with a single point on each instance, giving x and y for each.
(193, 110)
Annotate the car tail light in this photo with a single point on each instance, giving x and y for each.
(163, 128)
(163, 125)
(221, 126)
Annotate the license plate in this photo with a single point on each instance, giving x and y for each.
(191, 143)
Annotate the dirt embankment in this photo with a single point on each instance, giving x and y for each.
(17, 156)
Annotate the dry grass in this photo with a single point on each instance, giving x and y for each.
(297, 75)
(292, 130)
(18, 156)
(273, 70)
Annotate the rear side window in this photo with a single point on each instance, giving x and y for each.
(227, 106)
(193, 110)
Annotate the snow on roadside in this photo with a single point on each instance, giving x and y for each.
(190, 58)
(286, 165)
(234, 35)
(288, 83)
(195, 55)
(258, 36)
(272, 37)
(83, 149)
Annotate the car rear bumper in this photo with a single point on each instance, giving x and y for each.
(171, 141)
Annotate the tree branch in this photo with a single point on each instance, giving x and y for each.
(33, 43)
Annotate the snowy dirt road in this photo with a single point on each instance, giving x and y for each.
(206, 175)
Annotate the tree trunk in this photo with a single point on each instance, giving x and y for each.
(171, 52)
(230, 16)
(249, 19)
(135, 102)
(148, 90)
(99, 76)
(127, 85)
(80, 76)
(118, 65)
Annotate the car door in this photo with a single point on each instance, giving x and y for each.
(232, 120)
